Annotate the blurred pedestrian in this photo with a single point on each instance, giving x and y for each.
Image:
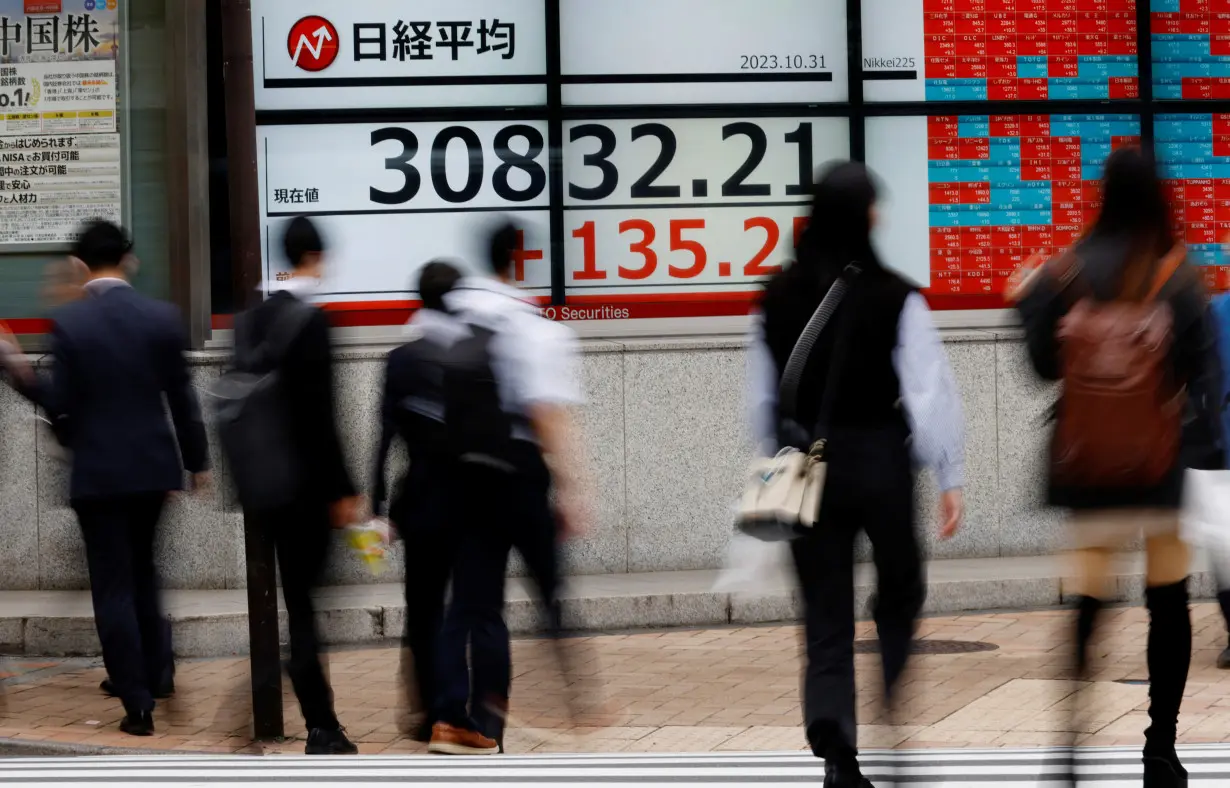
(413, 409)
(510, 386)
(1220, 559)
(877, 382)
(118, 368)
(1120, 320)
(288, 337)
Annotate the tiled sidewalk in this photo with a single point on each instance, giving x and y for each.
(680, 691)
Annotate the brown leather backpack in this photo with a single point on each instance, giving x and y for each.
(1119, 419)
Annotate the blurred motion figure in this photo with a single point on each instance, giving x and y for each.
(413, 409)
(117, 356)
(1127, 265)
(286, 335)
(876, 383)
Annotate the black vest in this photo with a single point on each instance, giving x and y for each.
(868, 395)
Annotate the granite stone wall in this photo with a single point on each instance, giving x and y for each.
(667, 442)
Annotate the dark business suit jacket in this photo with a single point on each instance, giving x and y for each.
(306, 377)
(118, 369)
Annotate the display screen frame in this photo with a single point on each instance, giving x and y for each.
(954, 311)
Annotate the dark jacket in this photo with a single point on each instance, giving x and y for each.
(1192, 354)
(306, 375)
(118, 367)
(866, 322)
(412, 408)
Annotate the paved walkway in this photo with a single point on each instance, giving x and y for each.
(732, 689)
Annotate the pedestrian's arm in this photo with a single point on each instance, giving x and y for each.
(316, 400)
(183, 404)
(930, 395)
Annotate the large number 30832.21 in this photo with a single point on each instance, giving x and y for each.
(755, 268)
(510, 160)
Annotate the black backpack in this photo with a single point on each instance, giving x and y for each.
(250, 407)
(478, 431)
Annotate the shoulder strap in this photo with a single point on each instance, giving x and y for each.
(1166, 270)
(788, 388)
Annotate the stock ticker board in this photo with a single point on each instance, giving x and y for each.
(1191, 49)
(1003, 188)
(1194, 153)
(1001, 50)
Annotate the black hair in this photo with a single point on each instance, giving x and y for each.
(101, 245)
(503, 244)
(839, 230)
(1135, 218)
(436, 280)
(301, 239)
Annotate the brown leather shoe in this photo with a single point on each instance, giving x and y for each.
(450, 740)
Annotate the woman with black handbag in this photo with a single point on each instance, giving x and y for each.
(874, 384)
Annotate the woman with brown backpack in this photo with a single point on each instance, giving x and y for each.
(1120, 320)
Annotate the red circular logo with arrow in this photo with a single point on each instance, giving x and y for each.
(313, 43)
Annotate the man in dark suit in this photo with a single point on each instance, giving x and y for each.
(301, 532)
(118, 368)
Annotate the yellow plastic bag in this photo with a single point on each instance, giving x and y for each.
(371, 541)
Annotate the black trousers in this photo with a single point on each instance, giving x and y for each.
(869, 488)
(502, 512)
(301, 535)
(430, 543)
(119, 548)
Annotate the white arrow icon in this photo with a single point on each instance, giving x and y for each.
(322, 35)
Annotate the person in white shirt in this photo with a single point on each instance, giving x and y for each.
(529, 497)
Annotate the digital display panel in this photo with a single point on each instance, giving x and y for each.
(1191, 49)
(1194, 153)
(999, 50)
(703, 51)
(969, 198)
(682, 217)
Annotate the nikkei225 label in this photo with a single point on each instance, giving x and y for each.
(664, 207)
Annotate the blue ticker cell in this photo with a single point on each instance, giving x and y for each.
(1165, 6)
(1168, 91)
(1031, 67)
(944, 90)
(1181, 47)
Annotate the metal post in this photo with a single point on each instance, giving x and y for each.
(188, 165)
(245, 254)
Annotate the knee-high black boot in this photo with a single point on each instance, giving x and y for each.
(1169, 658)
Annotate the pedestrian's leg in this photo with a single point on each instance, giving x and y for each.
(146, 511)
(535, 537)
(900, 585)
(302, 538)
(429, 563)
(824, 560)
(104, 528)
(1169, 656)
(479, 594)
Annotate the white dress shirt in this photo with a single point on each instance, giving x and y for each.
(535, 360)
(928, 392)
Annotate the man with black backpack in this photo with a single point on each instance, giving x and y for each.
(277, 426)
(509, 387)
(413, 409)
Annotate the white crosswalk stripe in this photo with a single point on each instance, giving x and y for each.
(1100, 767)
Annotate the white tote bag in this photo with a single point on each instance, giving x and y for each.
(781, 495)
(1205, 517)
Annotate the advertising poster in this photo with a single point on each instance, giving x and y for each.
(60, 153)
